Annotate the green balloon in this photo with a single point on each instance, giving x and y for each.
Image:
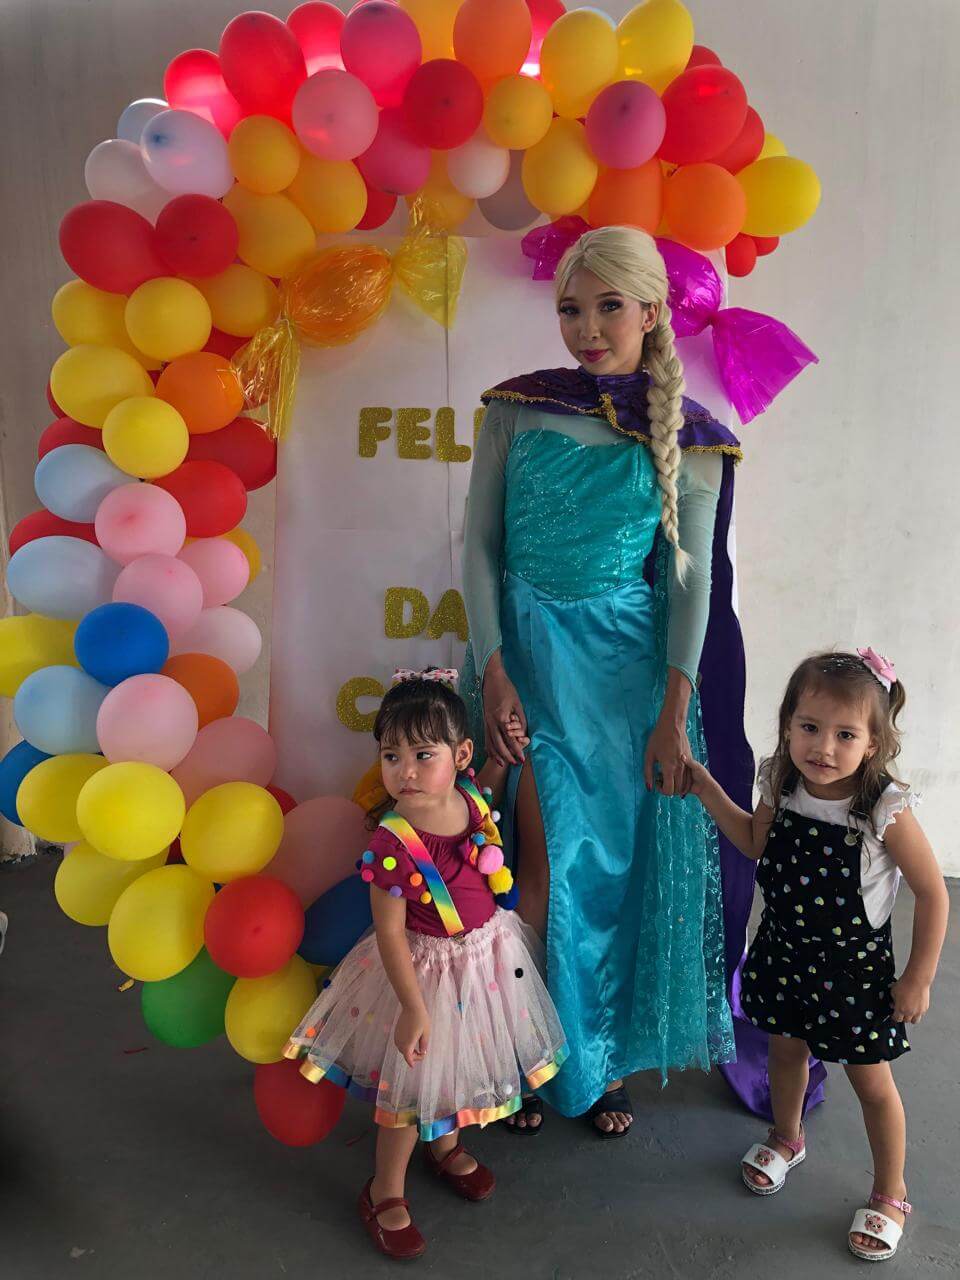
(187, 1010)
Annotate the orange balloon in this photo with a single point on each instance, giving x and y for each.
(631, 197)
(492, 37)
(339, 293)
(204, 389)
(704, 206)
(209, 681)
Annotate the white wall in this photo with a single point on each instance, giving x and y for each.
(847, 493)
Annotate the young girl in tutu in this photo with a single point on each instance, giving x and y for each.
(439, 1017)
(833, 832)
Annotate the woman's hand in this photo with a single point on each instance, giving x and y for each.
(412, 1035)
(502, 710)
(663, 763)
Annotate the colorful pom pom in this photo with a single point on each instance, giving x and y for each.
(367, 856)
(478, 838)
(495, 815)
(487, 791)
(426, 898)
(416, 879)
(491, 860)
(395, 891)
(389, 863)
(366, 876)
(501, 881)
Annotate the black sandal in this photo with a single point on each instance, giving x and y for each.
(528, 1107)
(612, 1100)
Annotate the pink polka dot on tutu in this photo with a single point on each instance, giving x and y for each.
(524, 1013)
(492, 986)
(374, 1074)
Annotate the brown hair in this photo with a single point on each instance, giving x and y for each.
(846, 677)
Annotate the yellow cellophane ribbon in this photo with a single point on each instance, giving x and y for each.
(334, 297)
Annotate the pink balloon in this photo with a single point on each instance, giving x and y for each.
(220, 565)
(322, 840)
(137, 520)
(233, 749)
(164, 585)
(380, 45)
(334, 115)
(224, 633)
(625, 124)
(149, 718)
(317, 26)
(395, 162)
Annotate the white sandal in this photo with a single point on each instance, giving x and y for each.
(771, 1163)
(867, 1222)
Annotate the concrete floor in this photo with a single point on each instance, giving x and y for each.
(146, 1165)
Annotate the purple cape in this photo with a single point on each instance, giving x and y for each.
(621, 401)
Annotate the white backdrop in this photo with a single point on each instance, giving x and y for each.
(352, 527)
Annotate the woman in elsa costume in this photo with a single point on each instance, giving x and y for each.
(598, 585)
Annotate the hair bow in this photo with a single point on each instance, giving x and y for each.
(441, 675)
(879, 667)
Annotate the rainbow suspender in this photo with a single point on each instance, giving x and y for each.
(401, 828)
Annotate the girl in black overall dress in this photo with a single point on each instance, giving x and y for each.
(833, 832)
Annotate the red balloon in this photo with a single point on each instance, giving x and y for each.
(293, 1110)
(745, 147)
(66, 431)
(194, 82)
(443, 104)
(544, 14)
(54, 407)
(283, 798)
(110, 246)
(706, 108)
(174, 853)
(224, 344)
(701, 56)
(381, 46)
(253, 926)
(44, 524)
(380, 205)
(765, 244)
(243, 446)
(212, 496)
(741, 255)
(395, 161)
(262, 63)
(197, 236)
(317, 27)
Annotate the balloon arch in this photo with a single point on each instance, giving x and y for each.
(197, 275)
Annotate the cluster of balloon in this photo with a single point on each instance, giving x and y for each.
(218, 892)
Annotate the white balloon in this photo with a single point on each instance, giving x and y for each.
(225, 633)
(137, 116)
(115, 171)
(478, 169)
(186, 155)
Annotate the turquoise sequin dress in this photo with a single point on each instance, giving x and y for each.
(635, 942)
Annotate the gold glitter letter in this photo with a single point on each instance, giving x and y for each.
(449, 615)
(347, 711)
(394, 603)
(372, 429)
(447, 448)
(411, 433)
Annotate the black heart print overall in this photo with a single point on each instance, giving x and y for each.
(817, 970)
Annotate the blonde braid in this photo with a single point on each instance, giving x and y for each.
(665, 412)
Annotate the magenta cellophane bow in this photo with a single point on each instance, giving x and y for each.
(442, 675)
(757, 356)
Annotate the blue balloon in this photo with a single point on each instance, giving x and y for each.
(74, 479)
(336, 921)
(56, 710)
(117, 641)
(14, 767)
(61, 577)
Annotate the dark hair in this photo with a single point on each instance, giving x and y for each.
(418, 711)
(846, 677)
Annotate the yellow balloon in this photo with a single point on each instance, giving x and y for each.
(241, 300)
(84, 314)
(47, 797)
(232, 830)
(264, 154)
(560, 172)
(167, 318)
(517, 113)
(655, 39)
(275, 237)
(30, 642)
(87, 381)
(156, 927)
(772, 146)
(248, 546)
(442, 205)
(330, 192)
(782, 194)
(130, 811)
(88, 884)
(434, 20)
(262, 1013)
(578, 59)
(146, 437)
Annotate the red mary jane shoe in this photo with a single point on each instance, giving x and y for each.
(475, 1186)
(403, 1244)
